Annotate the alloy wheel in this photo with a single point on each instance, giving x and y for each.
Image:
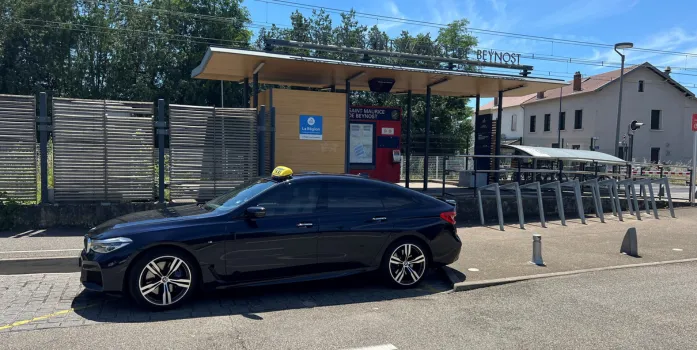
(165, 280)
(407, 264)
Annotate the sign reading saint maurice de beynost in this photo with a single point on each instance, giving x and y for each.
(310, 127)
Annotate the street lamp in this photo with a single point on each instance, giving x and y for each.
(620, 46)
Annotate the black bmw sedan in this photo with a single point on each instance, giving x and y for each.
(272, 230)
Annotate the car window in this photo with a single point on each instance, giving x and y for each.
(240, 194)
(393, 198)
(353, 196)
(291, 198)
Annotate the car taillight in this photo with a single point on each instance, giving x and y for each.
(448, 216)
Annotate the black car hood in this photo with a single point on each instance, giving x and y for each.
(150, 217)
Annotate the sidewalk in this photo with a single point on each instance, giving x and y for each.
(44, 251)
(490, 254)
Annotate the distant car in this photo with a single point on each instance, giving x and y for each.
(272, 230)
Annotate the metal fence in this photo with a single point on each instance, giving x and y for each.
(103, 150)
(18, 147)
(211, 150)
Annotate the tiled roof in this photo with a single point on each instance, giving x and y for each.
(508, 102)
(588, 84)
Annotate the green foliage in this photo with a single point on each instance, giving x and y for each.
(451, 128)
(8, 210)
(145, 50)
(117, 49)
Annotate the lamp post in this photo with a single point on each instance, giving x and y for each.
(620, 46)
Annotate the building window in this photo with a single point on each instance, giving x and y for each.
(655, 119)
(547, 122)
(575, 146)
(641, 86)
(655, 152)
(533, 120)
(578, 119)
(562, 121)
(514, 122)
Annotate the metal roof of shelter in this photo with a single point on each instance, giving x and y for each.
(566, 154)
(284, 69)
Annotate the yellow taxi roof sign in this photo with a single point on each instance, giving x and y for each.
(282, 172)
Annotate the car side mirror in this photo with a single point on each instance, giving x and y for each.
(256, 212)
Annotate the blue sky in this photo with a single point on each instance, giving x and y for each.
(666, 25)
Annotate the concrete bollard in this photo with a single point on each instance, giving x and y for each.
(629, 243)
(537, 250)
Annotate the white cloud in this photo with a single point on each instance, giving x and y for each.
(393, 11)
(583, 11)
(673, 39)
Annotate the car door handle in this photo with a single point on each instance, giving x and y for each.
(379, 218)
(304, 224)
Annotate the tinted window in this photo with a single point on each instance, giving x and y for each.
(547, 122)
(240, 194)
(655, 119)
(562, 121)
(532, 123)
(396, 198)
(290, 198)
(353, 196)
(641, 86)
(578, 119)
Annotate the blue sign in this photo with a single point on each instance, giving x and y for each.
(310, 127)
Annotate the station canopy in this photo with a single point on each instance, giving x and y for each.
(566, 154)
(283, 69)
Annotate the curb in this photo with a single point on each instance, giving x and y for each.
(21, 266)
(465, 286)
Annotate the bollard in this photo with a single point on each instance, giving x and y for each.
(537, 250)
(629, 243)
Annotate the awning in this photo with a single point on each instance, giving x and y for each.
(566, 154)
(235, 65)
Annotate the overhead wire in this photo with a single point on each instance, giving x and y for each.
(479, 30)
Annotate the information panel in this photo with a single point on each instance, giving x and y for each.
(361, 143)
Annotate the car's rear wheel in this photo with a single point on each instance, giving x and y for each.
(162, 279)
(405, 264)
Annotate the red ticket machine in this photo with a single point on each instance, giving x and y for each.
(375, 134)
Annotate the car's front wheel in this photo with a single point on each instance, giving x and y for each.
(162, 279)
(405, 263)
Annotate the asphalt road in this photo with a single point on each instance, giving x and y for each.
(651, 307)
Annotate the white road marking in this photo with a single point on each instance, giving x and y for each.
(677, 249)
(21, 234)
(35, 233)
(377, 347)
(38, 251)
(473, 269)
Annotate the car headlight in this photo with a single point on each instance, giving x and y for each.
(109, 245)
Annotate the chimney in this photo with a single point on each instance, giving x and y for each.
(496, 101)
(667, 71)
(577, 81)
(540, 95)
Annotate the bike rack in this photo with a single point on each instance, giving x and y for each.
(642, 188)
(666, 185)
(595, 190)
(579, 201)
(519, 200)
(495, 186)
(536, 185)
(630, 195)
(611, 185)
(556, 186)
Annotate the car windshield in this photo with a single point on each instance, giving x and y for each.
(240, 194)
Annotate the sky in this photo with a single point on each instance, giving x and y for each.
(655, 27)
